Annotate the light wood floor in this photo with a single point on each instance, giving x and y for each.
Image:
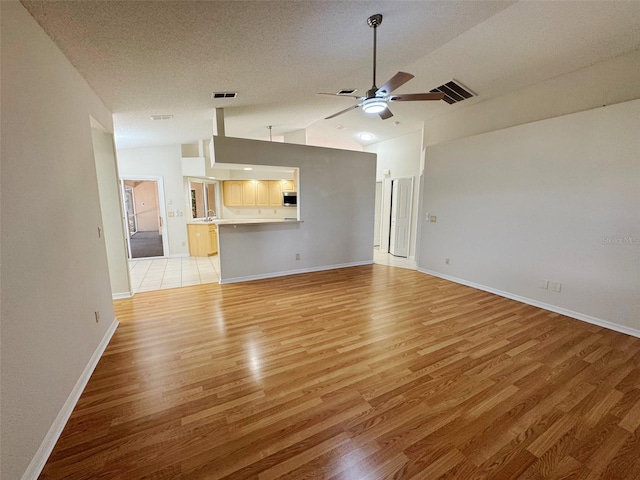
(361, 373)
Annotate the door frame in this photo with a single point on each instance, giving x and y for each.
(161, 207)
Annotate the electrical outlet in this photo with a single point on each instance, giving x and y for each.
(259, 212)
(544, 284)
(171, 214)
(97, 314)
(433, 219)
(297, 256)
(556, 286)
(446, 261)
(184, 244)
(275, 211)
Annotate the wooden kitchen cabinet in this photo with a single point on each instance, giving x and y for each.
(249, 193)
(232, 193)
(289, 186)
(255, 193)
(275, 193)
(262, 193)
(203, 239)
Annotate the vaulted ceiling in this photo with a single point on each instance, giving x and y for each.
(164, 57)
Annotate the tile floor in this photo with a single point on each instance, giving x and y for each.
(159, 273)
(384, 258)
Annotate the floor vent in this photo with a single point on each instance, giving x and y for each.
(161, 117)
(454, 92)
(224, 95)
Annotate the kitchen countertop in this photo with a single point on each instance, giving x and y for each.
(246, 221)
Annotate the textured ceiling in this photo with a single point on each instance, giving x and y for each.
(163, 57)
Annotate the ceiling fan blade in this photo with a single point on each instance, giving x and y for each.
(338, 95)
(386, 113)
(412, 97)
(396, 81)
(342, 111)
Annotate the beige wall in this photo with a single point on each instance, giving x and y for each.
(53, 263)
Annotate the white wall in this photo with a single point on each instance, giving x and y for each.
(54, 266)
(163, 162)
(401, 156)
(319, 140)
(605, 83)
(336, 200)
(111, 207)
(555, 200)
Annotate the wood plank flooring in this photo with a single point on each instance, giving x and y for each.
(361, 373)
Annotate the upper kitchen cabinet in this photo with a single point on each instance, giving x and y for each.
(232, 193)
(262, 193)
(255, 193)
(275, 193)
(249, 193)
(288, 186)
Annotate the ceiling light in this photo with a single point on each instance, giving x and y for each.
(374, 105)
(247, 168)
(366, 137)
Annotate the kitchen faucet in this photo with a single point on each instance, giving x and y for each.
(209, 217)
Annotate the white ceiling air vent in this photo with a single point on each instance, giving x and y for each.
(161, 117)
(216, 95)
(454, 92)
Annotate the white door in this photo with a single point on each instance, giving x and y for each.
(377, 221)
(401, 197)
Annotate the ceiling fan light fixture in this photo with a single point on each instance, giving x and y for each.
(374, 105)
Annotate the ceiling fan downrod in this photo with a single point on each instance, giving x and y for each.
(374, 21)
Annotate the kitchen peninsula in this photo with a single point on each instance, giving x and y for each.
(330, 226)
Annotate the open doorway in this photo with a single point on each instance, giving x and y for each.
(144, 217)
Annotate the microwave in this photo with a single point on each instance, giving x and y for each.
(289, 199)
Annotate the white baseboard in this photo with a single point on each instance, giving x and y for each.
(46, 447)
(179, 255)
(294, 272)
(117, 296)
(545, 306)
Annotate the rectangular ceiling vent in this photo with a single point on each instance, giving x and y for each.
(161, 117)
(454, 92)
(348, 91)
(215, 95)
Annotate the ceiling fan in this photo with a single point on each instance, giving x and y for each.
(377, 99)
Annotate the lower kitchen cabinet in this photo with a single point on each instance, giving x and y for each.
(203, 239)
